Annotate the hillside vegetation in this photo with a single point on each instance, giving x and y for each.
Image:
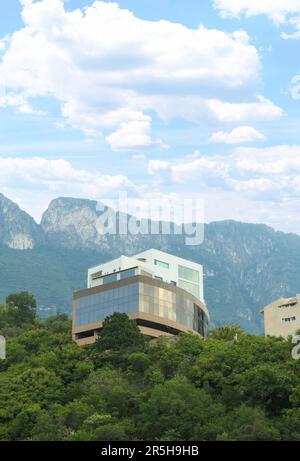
(232, 386)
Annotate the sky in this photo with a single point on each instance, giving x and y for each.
(161, 99)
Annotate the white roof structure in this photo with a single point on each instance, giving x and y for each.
(157, 264)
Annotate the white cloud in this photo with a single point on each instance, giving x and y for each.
(110, 69)
(40, 179)
(281, 12)
(133, 135)
(295, 35)
(250, 184)
(295, 87)
(155, 166)
(17, 101)
(277, 162)
(56, 175)
(263, 109)
(277, 10)
(270, 174)
(197, 109)
(208, 170)
(239, 135)
(195, 167)
(3, 42)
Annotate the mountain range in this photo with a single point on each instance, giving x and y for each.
(246, 266)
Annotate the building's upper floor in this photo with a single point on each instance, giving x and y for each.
(152, 263)
(282, 317)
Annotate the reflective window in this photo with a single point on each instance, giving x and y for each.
(161, 264)
(189, 274)
(190, 287)
(172, 306)
(189, 280)
(109, 278)
(127, 274)
(96, 307)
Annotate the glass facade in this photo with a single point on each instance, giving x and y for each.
(127, 274)
(189, 280)
(172, 306)
(190, 287)
(189, 274)
(96, 307)
(109, 278)
(142, 297)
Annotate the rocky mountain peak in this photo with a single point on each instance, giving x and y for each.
(18, 230)
(73, 223)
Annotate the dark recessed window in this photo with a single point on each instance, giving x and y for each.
(110, 278)
(127, 274)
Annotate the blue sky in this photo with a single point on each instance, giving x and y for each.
(168, 98)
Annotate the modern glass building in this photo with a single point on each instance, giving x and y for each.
(160, 291)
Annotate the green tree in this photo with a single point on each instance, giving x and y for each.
(119, 333)
(228, 333)
(23, 305)
(180, 388)
(179, 410)
(249, 424)
(267, 385)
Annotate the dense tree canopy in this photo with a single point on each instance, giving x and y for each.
(18, 311)
(119, 334)
(231, 386)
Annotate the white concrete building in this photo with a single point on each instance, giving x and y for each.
(282, 317)
(156, 264)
